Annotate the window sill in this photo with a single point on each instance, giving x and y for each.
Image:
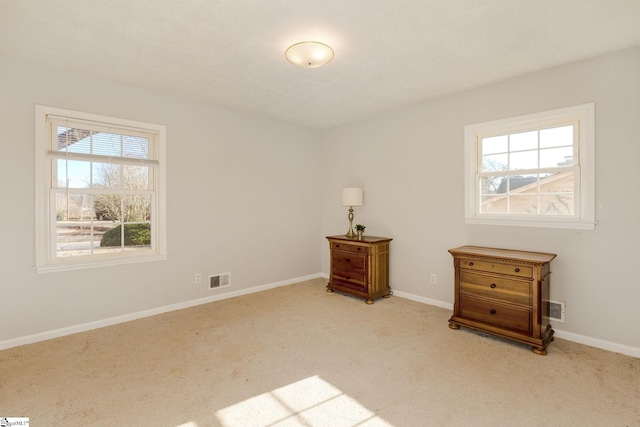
(534, 223)
(102, 262)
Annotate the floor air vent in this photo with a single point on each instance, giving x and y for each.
(555, 310)
(220, 281)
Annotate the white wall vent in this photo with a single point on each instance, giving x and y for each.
(555, 310)
(220, 280)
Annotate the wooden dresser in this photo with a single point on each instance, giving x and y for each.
(502, 292)
(360, 267)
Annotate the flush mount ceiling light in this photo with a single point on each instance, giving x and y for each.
(309, 54)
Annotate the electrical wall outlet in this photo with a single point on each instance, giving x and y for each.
(197, 278)
(433, 279)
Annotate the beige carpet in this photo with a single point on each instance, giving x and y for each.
(299, 356)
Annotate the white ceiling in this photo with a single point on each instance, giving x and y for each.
(388, 53)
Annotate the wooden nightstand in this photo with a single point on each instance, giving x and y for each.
(360, 267)
(502, 292)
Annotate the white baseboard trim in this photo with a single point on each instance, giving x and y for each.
(424, 300)
(569, 336)
(30, 339)
(598, 343)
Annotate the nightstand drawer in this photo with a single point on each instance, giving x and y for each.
(496, 267)
(349, 248)
(496, 314)
(359, 276)
(505, 289)
(345, 260)
(350, 281)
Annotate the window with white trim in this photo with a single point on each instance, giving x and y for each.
(100, 197)
(535, 171)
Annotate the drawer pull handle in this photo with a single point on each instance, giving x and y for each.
(359, 248)
(492, 311)
(493, 286)
(348, 260)
(347, 277)
(517, 270)
(470, 264)
(337, 246)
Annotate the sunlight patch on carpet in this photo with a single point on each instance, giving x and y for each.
(309, 402)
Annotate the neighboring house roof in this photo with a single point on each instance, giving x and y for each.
(560, 186)
(515, 182)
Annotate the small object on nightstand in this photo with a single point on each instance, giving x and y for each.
(360, 267)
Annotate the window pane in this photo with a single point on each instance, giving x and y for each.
(79, 173)
(73, 140)
(495, 144)
(136, 177)
(523, 141)
(556, 137)
(62, 207)
(557, 204)
(137, 208)
(523, 204)
(493, 204)
(59, 177)
(493, 185)
(107, 175)
(108, 207)
(561, 182)
(72, 174)
(73, 238)
(523, 184)
(107, 144)
(108, 237)
(73, 206)
(494, 162)
(74, 234)
(137, 236)
(554, 157)
(523, 160)
(135, 147)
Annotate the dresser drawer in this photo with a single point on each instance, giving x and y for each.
(496, 267)
(346, 260)
(496, 314)
(349, 248)
(497, 287)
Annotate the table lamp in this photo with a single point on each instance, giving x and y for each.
(352, 197)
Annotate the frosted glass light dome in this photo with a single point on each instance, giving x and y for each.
(309, 54)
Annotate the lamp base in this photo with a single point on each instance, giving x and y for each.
(350, 233)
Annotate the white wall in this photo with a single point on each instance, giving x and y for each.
(241, 196)
(410, 163)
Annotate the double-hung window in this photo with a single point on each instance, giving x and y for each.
(535, 170)
(99, 190)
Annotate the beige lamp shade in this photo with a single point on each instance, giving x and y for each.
(352, 196)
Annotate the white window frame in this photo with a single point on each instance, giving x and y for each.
(584, 116)
(45, 215)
